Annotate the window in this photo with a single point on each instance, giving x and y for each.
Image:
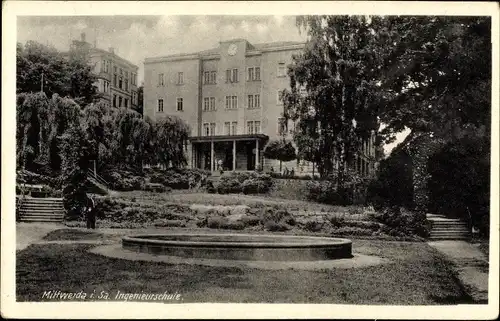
(253, 127)
(126, 102)
(281, 126)
(160, 105)
(213, 77)
(253, 73)
(121, 72)
(257, 127)
(114, 100)
(256, 101)
(134, 97)
(120, 82)
(212, 129)
(227, 128)
(208, 103)
(250, 101)
(279, 100)
(103, 66)
(231, 102)
(206, 129)
(106, 86)
(180, 78)
(253, 101)
(126, 74)
(235, 75)
(232, 75)
(114, 80)
(160, 80)
(281, 69)
(234, 128)
(206, 77)
(250, 127)
(250, 76)
(180, 104)
(234, 101)
(126, 84)
(120, 99)
(212, 103)
(115, 69)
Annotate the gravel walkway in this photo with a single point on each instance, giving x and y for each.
(471, 264)
(29, 233)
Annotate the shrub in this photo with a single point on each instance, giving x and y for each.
(399, 222)
(223, 223)
(313, 225)
(276, 226)
(336, 221)
(250, 220)
(228, 184)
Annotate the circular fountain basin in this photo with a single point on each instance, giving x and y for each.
(246, 247)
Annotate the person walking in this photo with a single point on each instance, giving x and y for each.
(90, 213)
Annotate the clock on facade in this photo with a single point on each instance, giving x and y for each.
(232, 49)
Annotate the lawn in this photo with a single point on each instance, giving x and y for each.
(417, 274)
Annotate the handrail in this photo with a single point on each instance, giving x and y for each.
(20, 200)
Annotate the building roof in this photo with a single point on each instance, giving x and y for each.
(267, 46)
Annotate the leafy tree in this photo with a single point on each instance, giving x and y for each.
(140, 100)
(280, 150)
(436, 75)
(66, 76)
(333, 96)
(75, 154)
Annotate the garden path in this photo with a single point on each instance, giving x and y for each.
(471, 265)
(29, 233)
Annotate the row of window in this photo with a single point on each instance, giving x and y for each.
(209, 103)
(232, 75)
(180, 79)
(231, 128)
(119, 101)
(179, 104)
(106, 68)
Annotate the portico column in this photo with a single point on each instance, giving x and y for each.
(256, 154)
(234, 155)
(212, 156)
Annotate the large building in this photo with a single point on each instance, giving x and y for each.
(230, 97)
(116, 76)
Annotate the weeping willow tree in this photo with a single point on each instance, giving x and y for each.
(172, 134)
(40, 123)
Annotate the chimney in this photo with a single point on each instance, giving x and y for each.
(82, 35)
(112, 50)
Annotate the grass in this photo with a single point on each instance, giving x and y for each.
(72, 235)
(416, 275)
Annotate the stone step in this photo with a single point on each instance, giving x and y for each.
(35, 217)
(441, 238)
(42, 208)
(447, 228)
(47, 220)
(449, 224)
(42, 213)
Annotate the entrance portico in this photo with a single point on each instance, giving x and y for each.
(227, 152)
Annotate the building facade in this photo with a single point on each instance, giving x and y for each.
(116, 76)
(230, 97)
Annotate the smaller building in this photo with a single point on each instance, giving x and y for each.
(116, 76)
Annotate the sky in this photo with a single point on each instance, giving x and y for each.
(137, 37)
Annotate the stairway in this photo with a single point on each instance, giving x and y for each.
(444, 228)
(34, 209)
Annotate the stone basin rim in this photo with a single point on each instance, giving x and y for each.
(318, 241)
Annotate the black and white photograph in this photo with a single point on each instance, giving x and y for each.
(169, 155)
